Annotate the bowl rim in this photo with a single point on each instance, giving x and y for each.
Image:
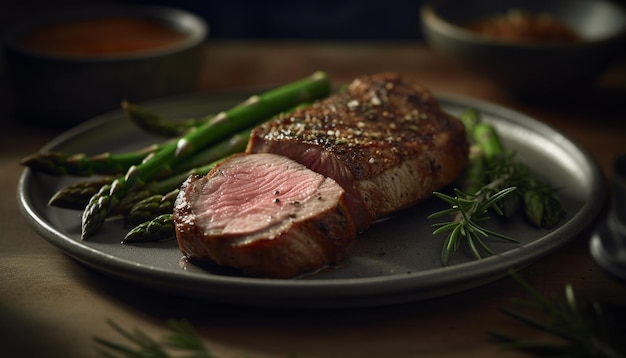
(195, 27)
(433, 20)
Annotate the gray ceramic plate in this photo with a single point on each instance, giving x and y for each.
(396, 261)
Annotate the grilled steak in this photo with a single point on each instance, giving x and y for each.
(264, 214)
(314, 178)
(385, 141)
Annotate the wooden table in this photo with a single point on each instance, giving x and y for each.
(52, 306)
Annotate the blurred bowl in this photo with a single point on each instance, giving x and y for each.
(537, 69)
(132, 53)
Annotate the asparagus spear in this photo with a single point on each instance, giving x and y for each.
(154, 123)
(254, 110)
(540, 204)
(157, 229)
(76, 195)
(487, 138)
(151, 207)
(475, 173)
(80, 164)
(235, 144)
(470, 118)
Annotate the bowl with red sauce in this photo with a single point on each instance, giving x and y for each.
(69, 66)
(536, 50)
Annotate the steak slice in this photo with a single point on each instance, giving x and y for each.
(387, 142)
(264, 214)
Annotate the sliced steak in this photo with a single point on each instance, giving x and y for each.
(264, 214)
(314, 178)
(387, 142)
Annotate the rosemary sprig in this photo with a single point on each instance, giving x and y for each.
(468, 211)
(183, 339)
(495, 181)
(576, 330)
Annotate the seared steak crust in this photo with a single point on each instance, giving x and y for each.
(386, 141)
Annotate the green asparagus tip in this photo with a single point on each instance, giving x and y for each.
(319, 75)
(96, 212)
(470, 119)
(157, 229)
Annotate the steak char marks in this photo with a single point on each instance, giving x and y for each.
(385, 141)
(381, 145)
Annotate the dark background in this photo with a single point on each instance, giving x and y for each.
(271, 19)
(319, 19)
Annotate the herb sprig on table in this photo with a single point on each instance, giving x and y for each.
(181, 341)
(495, 182)
(573, 329)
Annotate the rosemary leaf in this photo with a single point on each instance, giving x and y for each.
(572, 329)
(182, 338)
